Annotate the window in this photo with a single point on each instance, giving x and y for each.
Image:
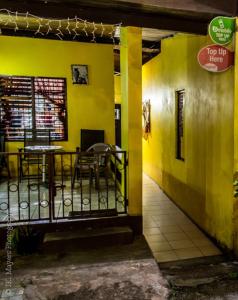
(33, 103)
(180, 96)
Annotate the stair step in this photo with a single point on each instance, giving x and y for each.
(84, 238)
(93, 213)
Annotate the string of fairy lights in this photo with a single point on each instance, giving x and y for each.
(40, 26)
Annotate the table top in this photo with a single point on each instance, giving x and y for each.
(43, 148)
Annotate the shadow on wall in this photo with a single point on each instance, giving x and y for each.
(170, 183)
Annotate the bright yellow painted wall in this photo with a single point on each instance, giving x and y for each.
(202, 185)
(88, 106)
(235, 216)
(117, 88)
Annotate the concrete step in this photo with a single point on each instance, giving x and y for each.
(86, 238)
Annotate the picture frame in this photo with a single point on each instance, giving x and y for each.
(146, 123)
(79, 74)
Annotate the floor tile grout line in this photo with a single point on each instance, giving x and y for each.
(165, 206)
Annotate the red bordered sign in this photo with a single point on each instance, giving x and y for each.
(215, 58)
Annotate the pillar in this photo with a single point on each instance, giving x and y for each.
(131, 93)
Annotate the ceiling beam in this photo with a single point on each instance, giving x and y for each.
(201, 6)
(130, 17)
(227, 7)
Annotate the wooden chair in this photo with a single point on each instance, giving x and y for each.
(3, 159)
(32, 137)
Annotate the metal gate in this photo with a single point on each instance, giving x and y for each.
(47, 187)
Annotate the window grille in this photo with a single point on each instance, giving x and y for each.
(33, 103)
(180, 96)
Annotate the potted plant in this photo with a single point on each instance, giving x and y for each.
(26, 239)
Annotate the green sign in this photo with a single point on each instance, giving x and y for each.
(221, 30)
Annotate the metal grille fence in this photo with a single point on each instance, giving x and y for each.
(77, 185)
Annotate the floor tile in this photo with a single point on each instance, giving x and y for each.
(164, 256)
(195, 234)
(209, 250)
(165, 222)
(149, 224)
(179, 218)
(170, 229)
(152, 230)
(159, 246)
(147, 218)
(182, 244)
(185, 222)
(170, 234)
(175, 236)
(201, 242)
(188, 253)
(189, 227)
(164, 217)
(155, 238)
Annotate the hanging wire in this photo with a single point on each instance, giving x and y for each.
(49, 27)
(26, 19)
(75, 30)
(93, 33)
(68, 26)
(39, 27)
(16, 18)
(46, 25)
(103, 29)
(59, 33)
(112, 33)
(85, 27)
(15, 22)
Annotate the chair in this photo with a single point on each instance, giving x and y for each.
(94, 161)
(3, 160)
(32, 137)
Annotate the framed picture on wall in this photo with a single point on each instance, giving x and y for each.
(79, 74)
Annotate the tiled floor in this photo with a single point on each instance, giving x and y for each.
(170, 234)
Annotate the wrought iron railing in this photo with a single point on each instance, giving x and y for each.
(77, 185)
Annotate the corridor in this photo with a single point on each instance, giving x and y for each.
(169, 232)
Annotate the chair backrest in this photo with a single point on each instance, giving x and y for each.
(2, 149)
(101, 147)
(98, 147)
(3, 158)
(35, 137)
(2, 143)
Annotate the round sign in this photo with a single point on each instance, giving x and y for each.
(221, 30)
(215, 58)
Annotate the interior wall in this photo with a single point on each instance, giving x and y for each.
(202, 184)
(117, 88)
(88, 106)
(235, 215)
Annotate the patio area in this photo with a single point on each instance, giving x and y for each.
(66, 200)
(64, 195)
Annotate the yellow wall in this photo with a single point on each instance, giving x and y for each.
(202, 185)
(88, 106)
(235, 216)
(117, 88)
